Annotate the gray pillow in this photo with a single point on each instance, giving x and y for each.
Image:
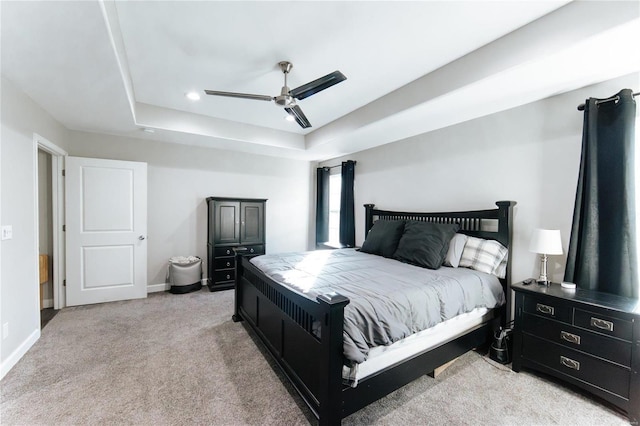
(424, 243)
(383, 237)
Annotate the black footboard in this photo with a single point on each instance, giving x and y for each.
(304, 336)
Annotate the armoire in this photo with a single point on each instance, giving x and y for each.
(235, 225)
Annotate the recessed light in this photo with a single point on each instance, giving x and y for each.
(193, 96)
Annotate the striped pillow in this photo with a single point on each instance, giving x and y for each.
(485, 256)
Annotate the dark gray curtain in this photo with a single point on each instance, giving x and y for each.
(602, 249)
(322, 205)
(347, 218)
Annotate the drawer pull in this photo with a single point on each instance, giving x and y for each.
(251, 250)
(545, 309)
(569, 363)
(228, 263)
(601, 324)
(228, 276)
(571, 338)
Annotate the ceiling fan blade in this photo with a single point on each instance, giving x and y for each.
(318, 85)
(301, 119)
(239, 95)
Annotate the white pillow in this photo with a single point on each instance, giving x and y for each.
(456, 246)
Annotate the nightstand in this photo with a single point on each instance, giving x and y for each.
(586, 338)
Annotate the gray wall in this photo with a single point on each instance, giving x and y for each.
(528, 154)
(19, 287)
(181, 177)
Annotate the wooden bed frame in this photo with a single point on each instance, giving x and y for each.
(283, 320)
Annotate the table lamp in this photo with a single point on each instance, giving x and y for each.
(545, 242)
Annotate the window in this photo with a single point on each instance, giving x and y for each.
(335, 221)
(335, 184)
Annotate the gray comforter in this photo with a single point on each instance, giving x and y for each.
(390, 300)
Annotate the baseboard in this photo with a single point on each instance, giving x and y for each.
(154, 288)
(13, 359)
(47, 303)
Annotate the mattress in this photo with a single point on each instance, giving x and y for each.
(389, 300)
(382, 357)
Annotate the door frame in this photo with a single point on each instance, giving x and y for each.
(58, 214)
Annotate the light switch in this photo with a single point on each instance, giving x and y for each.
(7, 232)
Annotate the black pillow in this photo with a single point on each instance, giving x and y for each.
(424, 243)
(383, 237)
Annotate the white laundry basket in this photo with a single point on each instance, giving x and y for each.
(184, 274)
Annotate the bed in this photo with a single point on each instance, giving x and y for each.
(306, 329)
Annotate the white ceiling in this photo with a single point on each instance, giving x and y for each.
(411, 67)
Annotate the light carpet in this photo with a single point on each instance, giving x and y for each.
(179, 359)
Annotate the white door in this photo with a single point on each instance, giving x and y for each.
(106, 230)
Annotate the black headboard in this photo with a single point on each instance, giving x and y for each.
(493, 224)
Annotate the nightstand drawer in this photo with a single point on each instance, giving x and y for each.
(549, 308)
(228, 275)
(604, 324)
(594, 371)
(575, 338)
(224, 263)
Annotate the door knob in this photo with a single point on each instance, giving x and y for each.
(141, 237)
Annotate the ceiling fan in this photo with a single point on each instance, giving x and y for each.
(287, 98)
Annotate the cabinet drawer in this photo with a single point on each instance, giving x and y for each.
(549, 308)
(228, 275)
(604, 324)
(223, 251)
(250, 249)
(224, 263)
(594, 371)
(575, 338)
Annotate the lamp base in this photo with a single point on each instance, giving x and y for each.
(542, 279)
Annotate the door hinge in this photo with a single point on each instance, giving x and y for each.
(64, 172)
(64, 283)
(64, 228)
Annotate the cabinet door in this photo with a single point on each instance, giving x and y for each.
(252, 230)
(226, 223)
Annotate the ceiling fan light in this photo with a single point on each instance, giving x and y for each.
(290, 118)
(193, 96)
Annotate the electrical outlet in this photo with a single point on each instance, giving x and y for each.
(7, 232)
(5, 330)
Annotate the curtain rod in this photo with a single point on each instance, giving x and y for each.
(615, 98)
(338, 165)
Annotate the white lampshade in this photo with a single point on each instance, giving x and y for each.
(546, 241)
